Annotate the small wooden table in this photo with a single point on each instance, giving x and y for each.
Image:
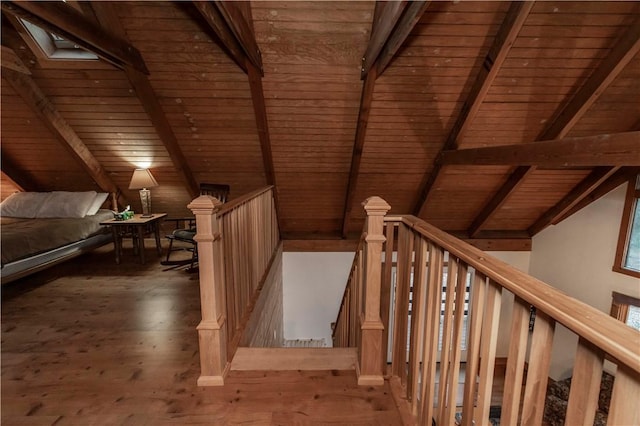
(135, 227)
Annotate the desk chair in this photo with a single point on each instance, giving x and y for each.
(186, 235)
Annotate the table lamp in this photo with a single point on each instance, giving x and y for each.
(143, 179)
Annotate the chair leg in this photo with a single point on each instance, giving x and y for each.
(170, 249)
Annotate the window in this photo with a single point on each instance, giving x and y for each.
(627, 259)
(55, 47)
(626, 309)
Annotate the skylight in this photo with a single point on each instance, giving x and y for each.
(55, 46)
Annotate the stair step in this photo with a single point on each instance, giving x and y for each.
(248, 359)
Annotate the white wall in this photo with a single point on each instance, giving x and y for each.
(313, 284)
(519, 260)
(576, 256)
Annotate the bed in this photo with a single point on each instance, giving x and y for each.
(39, 230)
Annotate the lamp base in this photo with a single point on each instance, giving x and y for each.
(145, 199)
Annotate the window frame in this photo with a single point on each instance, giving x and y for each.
(631, 199)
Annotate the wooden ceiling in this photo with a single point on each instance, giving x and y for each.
(491, 120)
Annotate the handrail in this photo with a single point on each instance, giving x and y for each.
(231, 205)
(237, 242)
(579, 317)
(446, 294)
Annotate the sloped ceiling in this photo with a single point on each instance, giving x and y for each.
(345, 100)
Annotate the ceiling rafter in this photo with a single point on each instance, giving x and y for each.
(232, 23)
(226, 38)
(106, 16)
(392, 24)
(234, 15)
(623, 51)
(615, 180)
(615, 149)
(506, 36)
(68, 22)
(577, 194)
(412, 14)
(33, 96)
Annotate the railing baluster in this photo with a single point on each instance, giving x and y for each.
(538, 371)
(456, 344)
(445, 385)
(401, 311)
(585, 384)
(473, 348)
(417, 322)
(488, 343)
(432, 329)
(385, 289)
(515, 362)
(624, 408)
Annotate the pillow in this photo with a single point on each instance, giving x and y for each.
(67, 204)
(97, 203)
(23, 204)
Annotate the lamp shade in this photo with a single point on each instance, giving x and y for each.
(142, 178)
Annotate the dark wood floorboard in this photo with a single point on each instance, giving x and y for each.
(90, 342)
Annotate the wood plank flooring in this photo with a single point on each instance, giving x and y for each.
(90, 342)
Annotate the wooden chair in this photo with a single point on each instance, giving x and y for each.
(187, 233)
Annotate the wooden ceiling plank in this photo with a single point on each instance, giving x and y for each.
(216, 22)
(625, 48)
(616, 149)
(386, 17)
(623, 51)
(107, 17)
(21, 179)
(506, 36)
(513, 182)
(403, 28)
(237, 15)
(358, 146)
(68, 22)
(29, 91)
(614, 181)
(582, 190)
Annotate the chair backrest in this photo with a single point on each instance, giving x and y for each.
(217, 190)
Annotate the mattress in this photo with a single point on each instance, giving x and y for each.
(22, 238)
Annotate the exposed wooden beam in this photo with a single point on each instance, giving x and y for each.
(11, 61)
(624, 49)
(215, 21)
(107, 17)
(614, 181)
(260, 111)
(68, 22)
(393, 22)
(582, 190)
(513, 182)
(616, 149)
(497, 240)
(403, 28)
(506, 36)
(29, 91)
(358, 145)
(237, 15)
(385, 19)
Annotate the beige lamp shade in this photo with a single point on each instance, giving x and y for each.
(142, 178)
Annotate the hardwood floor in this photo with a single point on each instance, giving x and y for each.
(90, 342)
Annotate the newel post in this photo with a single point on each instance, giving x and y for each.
(370, 359)
(212, 331)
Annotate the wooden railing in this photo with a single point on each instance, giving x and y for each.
(236, 243)
(436, 274)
